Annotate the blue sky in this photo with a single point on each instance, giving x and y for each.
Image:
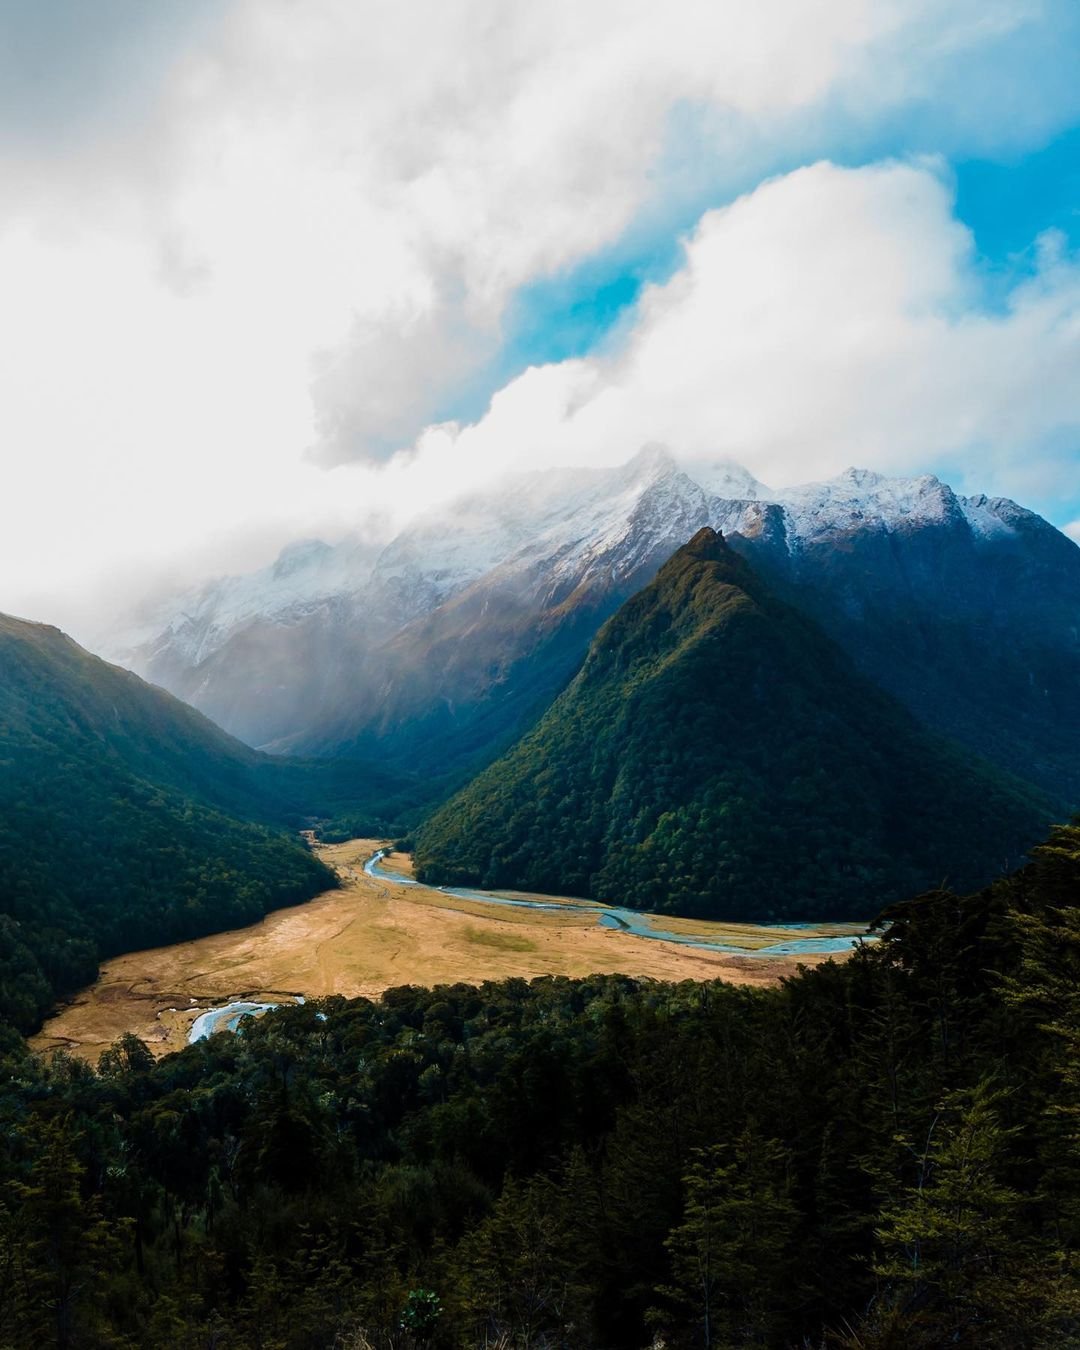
(1015, 175)
(1006, 201)
(334, 257)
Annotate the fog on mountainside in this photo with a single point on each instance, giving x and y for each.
(437, 650)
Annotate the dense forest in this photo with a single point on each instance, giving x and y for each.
(719, 756)
(94, 862)
(126, 820)
(54, 694)
(879, 1153)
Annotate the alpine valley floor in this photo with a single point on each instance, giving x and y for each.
(374, 933)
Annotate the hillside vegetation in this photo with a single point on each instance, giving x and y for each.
(126, 820)
(718, 756)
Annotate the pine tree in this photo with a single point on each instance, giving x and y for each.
(55, 1247)
(730, 1256)
(952, 1253)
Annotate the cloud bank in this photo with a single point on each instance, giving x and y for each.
(252, 252)
(830, 317)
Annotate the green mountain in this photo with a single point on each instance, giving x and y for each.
(718, 755)
(127, 819)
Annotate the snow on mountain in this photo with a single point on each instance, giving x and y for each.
(724, 478)
(450, 636)
(305, 575)
(859, 499)
(562, 523)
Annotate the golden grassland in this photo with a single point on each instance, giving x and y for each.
(372, 934)
(503, 942)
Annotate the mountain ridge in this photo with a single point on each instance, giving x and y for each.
(128, 819)
(444, 645)
(718, 756)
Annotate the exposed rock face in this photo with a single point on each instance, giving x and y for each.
(442, 646)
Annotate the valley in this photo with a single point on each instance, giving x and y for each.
(540, 676)
(381, 929)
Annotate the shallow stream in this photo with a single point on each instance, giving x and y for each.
(650, 925)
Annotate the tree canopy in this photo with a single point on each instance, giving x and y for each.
(878, 1153)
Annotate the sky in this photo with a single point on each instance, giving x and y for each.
(271, 270)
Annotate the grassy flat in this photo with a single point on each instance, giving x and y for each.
(368, 936)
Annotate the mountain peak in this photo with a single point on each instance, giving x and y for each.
(706, 556)
(708, 545)
(709, 720)
(337, 651)
(298, 555)
(859, 478)
(652, 460)
(727, 479)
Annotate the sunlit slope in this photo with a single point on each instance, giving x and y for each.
(126, 819)
(718, 755)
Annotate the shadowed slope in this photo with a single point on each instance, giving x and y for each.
(126, 819)
(717, 755)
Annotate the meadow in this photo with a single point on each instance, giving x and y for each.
(372, 934)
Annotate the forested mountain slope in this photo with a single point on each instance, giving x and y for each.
(126, 820)
(718, 755)
(437, 650)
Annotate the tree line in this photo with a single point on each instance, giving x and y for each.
(879, 1153)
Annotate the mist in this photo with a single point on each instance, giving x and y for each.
(265, 269)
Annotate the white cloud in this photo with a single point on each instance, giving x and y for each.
(303, 232)
(830, 317)
(400, 170)
(1073, 530)
(390, 174)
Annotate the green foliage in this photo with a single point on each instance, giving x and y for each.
(949, 1240)
(718, 756)
(876, 1154)
(523, 1273)
(731, 1256)
(126, 820)
(55, 1245)
(422, 1312)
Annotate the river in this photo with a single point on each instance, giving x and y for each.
(823, 943)
(647, 925)
(229, 1016)
(226, 1018)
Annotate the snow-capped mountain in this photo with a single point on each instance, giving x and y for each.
(439, 646)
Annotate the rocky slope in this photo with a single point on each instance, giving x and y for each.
(440, 648)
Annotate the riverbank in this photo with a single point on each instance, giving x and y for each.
(375, 932)
(736, 939)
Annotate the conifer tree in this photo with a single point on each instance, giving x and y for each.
(730, 1255)
(950, 1253)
